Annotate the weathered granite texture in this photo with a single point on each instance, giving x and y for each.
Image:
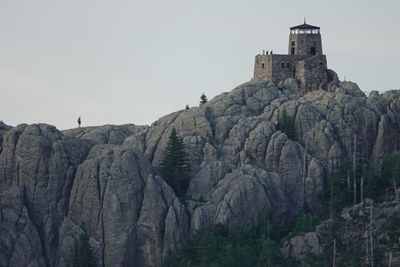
(104, 180)
(354, 227)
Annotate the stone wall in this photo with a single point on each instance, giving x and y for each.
(309, 71)
(263, 67)
(283, 67)
(303, 44)
(276, 67)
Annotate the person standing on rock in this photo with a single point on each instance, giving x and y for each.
(79, 122)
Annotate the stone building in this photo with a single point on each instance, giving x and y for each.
(304, 62)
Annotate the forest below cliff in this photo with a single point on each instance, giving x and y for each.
(323, 239)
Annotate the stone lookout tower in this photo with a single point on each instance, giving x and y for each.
(304, 62)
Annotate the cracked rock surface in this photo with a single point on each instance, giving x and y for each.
(104, 181)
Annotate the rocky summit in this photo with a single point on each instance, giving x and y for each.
(105, 181)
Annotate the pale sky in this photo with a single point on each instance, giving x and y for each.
(115, 62)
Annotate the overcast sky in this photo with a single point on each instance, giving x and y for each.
(115, 62)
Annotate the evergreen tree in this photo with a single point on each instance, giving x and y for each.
(286, 124)
(85, 254)
(239, 246)
(187, 106)
(371, 182)
(390, 175)
(203, 99)
(302, 222)
(175, 165)
(339, 192)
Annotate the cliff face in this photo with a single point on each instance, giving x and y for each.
(103, 180)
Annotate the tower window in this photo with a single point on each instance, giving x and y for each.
(282, 65)
(292, 51)
(262, 65)
(313, 51)
(292, 43)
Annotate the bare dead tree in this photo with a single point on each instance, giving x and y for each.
(370, 235)
(348, 180)
(366, 248)
(354, 170)
(362, 186)
(334, 253)
(304, 170)
(347, 240)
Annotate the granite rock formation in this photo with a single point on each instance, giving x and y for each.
(355, 226)
(55, 185)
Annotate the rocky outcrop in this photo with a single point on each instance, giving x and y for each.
(299, 246)
(106, 199)
(20, 242)
(162, 224)
(354, 228)
(104, 180)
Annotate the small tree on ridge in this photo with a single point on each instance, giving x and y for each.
(203, 99)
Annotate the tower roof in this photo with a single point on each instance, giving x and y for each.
(305, 26)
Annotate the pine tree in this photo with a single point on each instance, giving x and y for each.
(175, 166)
(203, 99)
(85, 254)
(286, 124)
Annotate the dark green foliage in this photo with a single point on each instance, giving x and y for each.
(323, 201)
(390, 174)
(85, 254)
(267, 227)
(270, 254)
(286, 124)
(303, 222)
(372, 188)
(237, 255)
(203, 99)
(392, 230)
(175, 166)
(339, 193)
(239, 246)
(356, 259)
(342, 187)
(310, 259)
(391, 169)
(201, 199)
(187, 107)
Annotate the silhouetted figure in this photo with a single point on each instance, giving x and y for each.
(79, 122)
